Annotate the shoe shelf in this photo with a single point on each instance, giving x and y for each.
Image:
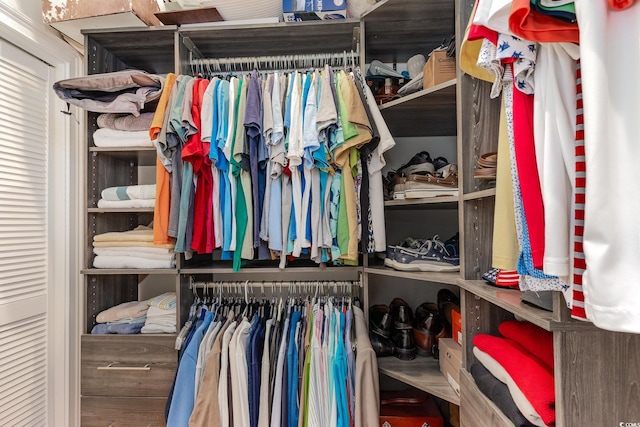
(482, 194)
(395, 30)
(429, 112)
(449, 278)
(443, 202)
(478, 410)
(422, 373)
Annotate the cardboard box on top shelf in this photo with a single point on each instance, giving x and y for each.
(71, 16)
(313, 10)
(438, 69)
(451, 361)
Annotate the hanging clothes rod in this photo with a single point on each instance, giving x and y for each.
(275, 62)
(311, 284)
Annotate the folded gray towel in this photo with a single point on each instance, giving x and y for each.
(126, 122)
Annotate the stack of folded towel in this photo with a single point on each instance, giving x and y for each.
(161, 316)
(130, 196)
(123, 130)
(131, 249)
(125, 318)
(515, 371)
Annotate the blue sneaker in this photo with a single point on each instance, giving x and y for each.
(431, 256)
(408, 243)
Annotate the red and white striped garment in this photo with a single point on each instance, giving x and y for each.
(579, 264)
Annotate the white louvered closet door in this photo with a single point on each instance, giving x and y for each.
(24, 258)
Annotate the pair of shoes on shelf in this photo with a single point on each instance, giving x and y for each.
(486, 166)
(425, 255)
(420, 165)
(433, 322)
(442, 182)
(407, 243)
(390, 330)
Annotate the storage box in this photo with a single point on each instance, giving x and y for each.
(421, 412)
(451, 361)
(313, 10)
(71, 16)
(438, 69)
(456, 323)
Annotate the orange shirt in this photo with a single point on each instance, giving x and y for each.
(533, 26)
(163, 190)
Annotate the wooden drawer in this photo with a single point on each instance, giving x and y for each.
(122, 411)
(123, 366)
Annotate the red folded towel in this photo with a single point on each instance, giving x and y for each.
(532, 378)
(531, 338)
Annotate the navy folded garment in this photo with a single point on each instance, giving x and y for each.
(121, 328)
(498, 393)
(558, 14)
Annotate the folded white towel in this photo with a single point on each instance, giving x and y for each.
(135, 203)
(129, 192)
(128, 252)
(165, 302)
(156, 312)
(121, 138)
(158, 329)
(117, 250)
(105, 261)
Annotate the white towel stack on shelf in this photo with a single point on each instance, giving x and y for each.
(161, 316)
(131, 249)
(130, 196)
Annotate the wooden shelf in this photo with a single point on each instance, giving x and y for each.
(422, 97)
(142, 156)
(422, 373)
(477, 409)
(429, 112)
(448, 278)
(444, 202)
(280, 38)
(141, 48)
(482, 194)
(277, 274)
(120, 210)
(393, 34)
(123, 271)
(509, 299)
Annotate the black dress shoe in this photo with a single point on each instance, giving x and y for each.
(381, 345)
(401, 314)
(380, 320)
(427, 329)
(405, 349)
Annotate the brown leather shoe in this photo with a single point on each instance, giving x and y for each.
(427, 329)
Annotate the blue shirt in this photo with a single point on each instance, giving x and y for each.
(292, 373)
(182, 402)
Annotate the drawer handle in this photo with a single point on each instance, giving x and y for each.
(110, 367)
